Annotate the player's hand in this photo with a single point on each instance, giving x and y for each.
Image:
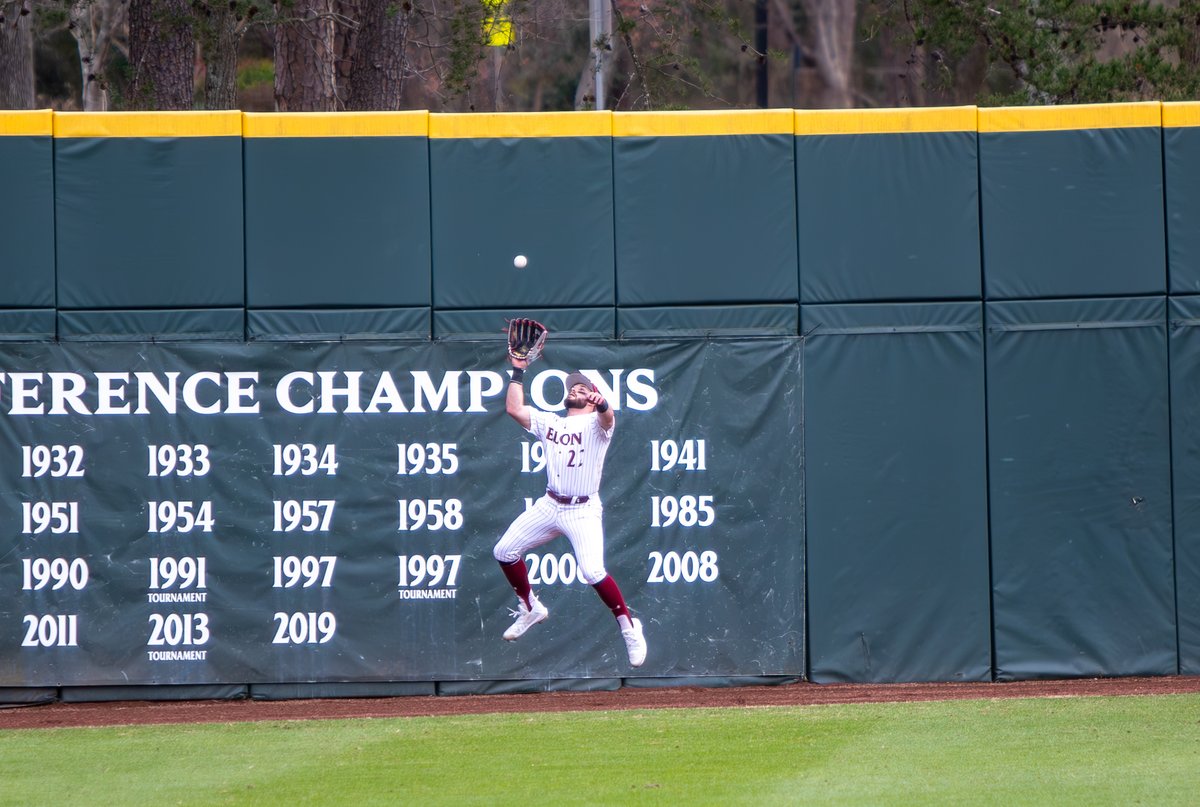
(595, 399)
(522, 363)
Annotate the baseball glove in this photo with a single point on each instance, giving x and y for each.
(526, 337)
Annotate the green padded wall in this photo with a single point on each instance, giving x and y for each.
(1185, 457)
(28, 695)
(705, 208)
(532, 185)
(888, 205)
(26, 214)
(1181, 175)
(149, 210)
(353, 689)
(700, 321)
(691, 228)
(895, 486)
(339, 324)
(1079, 472)
(574, 323)
(1072, 212)
(337, 221)
(22, 324)
(150, 325)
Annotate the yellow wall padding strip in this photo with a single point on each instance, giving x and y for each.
(886, 121)
(1083, 116)
(678, 124)
(1180, 113)
(418, 123)
(38, 122)
(336, 124)
(148, 124)
(521, 124)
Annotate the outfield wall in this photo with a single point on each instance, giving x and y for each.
(927, 371)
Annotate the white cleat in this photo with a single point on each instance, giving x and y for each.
(635, 643)
(526, 618)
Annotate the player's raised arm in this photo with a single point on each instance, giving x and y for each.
(604, 412)
(514, 400)
(525, 340)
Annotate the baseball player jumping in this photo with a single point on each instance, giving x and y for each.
(575, 446)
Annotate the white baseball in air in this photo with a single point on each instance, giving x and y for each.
(520, 261)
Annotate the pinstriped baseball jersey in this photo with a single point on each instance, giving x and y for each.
(575, 449)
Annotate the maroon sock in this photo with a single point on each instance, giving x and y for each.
(518, 576)
(610, 592)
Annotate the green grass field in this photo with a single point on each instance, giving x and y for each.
(1087, 751)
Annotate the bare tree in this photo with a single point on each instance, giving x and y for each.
(305, 67)
(345, 45)
(677, 53)
(435, 54)
(379, 67)
(94, 24)
(1049, 52)
(162, 52)
(16, 55)
(832, 47)
(220, 26)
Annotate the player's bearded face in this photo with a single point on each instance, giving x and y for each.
(575, 397)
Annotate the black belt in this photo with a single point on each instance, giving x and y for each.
(566, 499)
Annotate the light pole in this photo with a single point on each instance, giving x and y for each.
(599, 33)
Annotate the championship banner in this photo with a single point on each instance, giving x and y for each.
(253, 513)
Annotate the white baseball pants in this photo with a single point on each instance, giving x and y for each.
(545, 521)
